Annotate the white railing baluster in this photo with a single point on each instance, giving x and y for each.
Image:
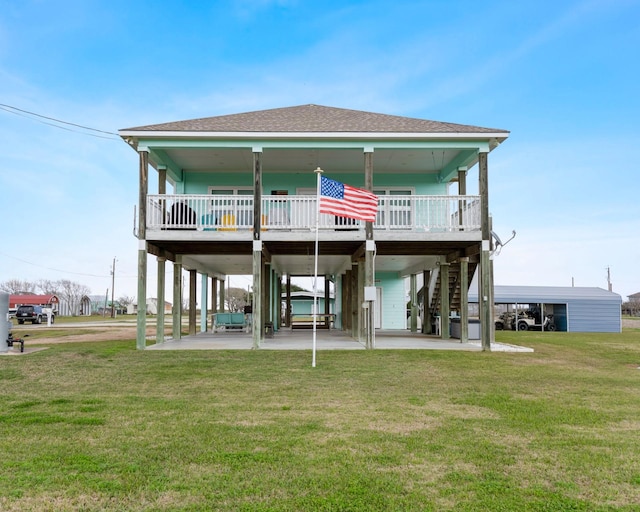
(235, 212)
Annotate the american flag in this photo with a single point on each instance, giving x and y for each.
(345, 201)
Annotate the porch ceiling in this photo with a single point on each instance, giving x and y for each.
(413, 160)
(298, 258)
(300, 265)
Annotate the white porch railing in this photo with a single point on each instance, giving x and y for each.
(235, 212)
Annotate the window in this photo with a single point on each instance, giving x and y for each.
(235, 208)
(394, 212)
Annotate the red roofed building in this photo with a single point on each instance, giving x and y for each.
(49, 301)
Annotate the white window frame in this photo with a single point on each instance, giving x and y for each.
(385, 214)
(240, 212)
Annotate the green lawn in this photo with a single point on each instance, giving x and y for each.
(101, 426)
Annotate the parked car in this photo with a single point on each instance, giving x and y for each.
(33, 314)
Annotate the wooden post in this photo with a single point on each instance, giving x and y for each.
(355, 305)
(257, 329)
(177, 299)
(287, 313)
(223, 296)
(464, 300)
(162, 189)
(368, 185)
(445, 302)
(369, 270)
(141, 321)
(266, 294)
(257, 194)
(214, 295)
(369, 281)
(360, 276)
(485, 271)
(327, 297)
(347, 317)
(338, 301)
(204, 295)
(278, 302)
(413, 300)
(161, 300)
(192, 302)
(492, 306)
(462, 191)
(426, 314)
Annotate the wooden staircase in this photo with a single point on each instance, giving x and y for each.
(454, 288)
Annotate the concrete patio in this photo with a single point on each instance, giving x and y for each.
(302, 339)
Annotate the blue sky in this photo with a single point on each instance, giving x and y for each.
(562, 76)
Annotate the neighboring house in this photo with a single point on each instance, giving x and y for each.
(244, 201)
(297, 308)
(47, 301)
(634, 297)
(152, 307)
(101, 305)
(301, 303)
(80, 308)
(60, 307)
(97, 304)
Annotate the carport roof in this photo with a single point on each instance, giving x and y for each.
(547, 294)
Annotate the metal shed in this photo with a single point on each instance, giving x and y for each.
(575, 309)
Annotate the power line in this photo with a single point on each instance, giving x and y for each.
(61, 271)
(21, 112)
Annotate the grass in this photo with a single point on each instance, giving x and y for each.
(102, 426)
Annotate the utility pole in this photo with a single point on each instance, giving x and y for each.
(609, 285)
(113, 282)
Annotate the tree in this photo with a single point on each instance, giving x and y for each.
(18, 287)
(237, 299)
(631, 308)
(125, 300)
(72, 293)
(47, 287)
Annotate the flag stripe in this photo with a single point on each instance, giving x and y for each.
(346, 201)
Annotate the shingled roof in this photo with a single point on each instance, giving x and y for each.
(314, 119)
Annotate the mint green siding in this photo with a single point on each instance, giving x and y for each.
(199, 182)
(305, 306)
(393, 300)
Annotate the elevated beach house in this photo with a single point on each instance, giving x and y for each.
(243, 200)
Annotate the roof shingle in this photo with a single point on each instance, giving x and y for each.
(313, 119)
